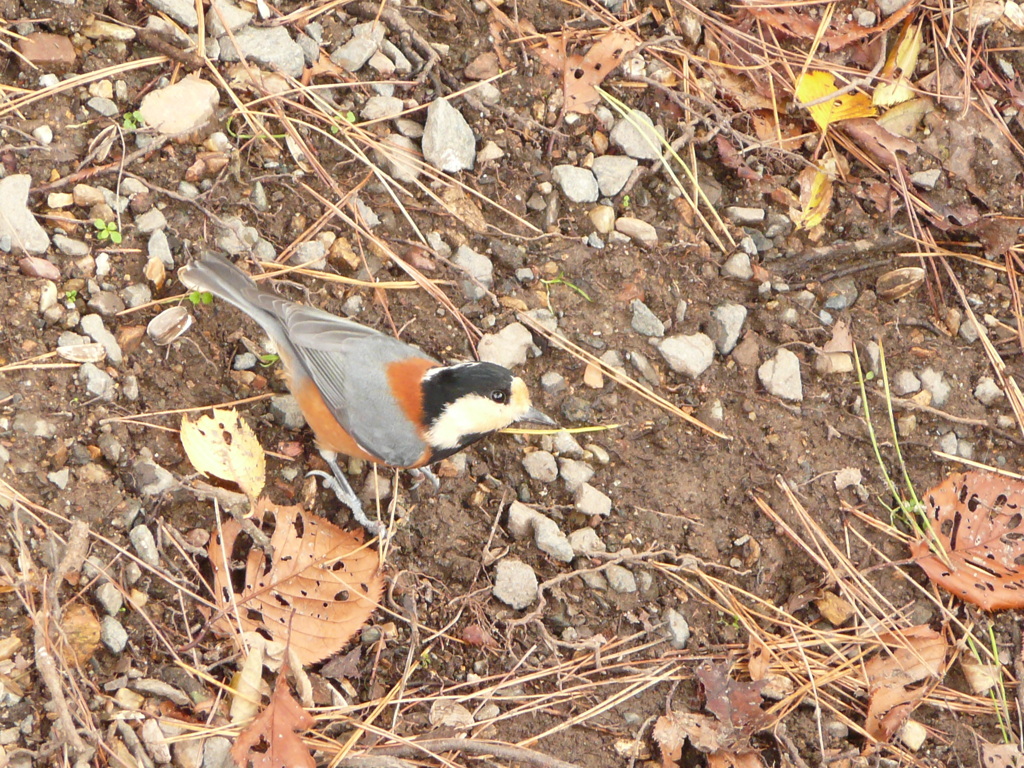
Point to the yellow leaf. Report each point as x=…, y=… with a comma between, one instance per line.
x=899, y=66
x=812, y=86
x=224, y=446
x=815, y=199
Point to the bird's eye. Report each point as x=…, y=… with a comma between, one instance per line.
x=498, y=396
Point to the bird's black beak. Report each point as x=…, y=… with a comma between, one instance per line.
x=536, y=417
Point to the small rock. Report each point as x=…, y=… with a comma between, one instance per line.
x=592, y=502
x=34, y=425
x=738, y=267
x=842, y=293
x=515, y=583
x=620, y=579
x=637, y=137
x=726, y=325
x=541, y=466
x=17, y=225
x=905, y=383
x=270, y=47
x=113, y=635
x=987, y=392
x=477, y=266
x=181, y=109
x=156, y=743
x=311, y=253
x=182, y=11
x=401, y=157
x=106, y=303
x=223, y=16
x=934, y=382
x=48, y=51
x=448, y=142
x=97, y=331
x=150, y=221
x=97, y=382
x=644, y=321
x=43, y=134
x=550, y=540
x=969, y=331
x=152, y=479
x=926, y=180
x=102, y=106
x=585, y=542
x=603, y=218
x=97, y=29
x=354, y=54
x=645, y=368
x=110, y=598
x=612, y=173
x=286, y=412
x=578, y=184
x=744, y=216
x=574, y=473
x=244, y=361
x=484, y=66
x=382, y=108
x=111, y=447
x=780, y=376
x=145, y=545
x=489, y=151
x=60, y=478
x=136, y=295
x=866, y=19
x=948, y=443
x=678, y=629
x=553, y=382
x=688, y=355
x=639, y=231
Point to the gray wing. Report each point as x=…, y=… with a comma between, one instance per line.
x=348, y=363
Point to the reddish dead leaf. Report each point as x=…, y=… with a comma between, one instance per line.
x=320, y=588
x=760, y=658
x=272, y=739
x=732, y=159
x=911, y=656
x=735, y=760
x=877, y=141
x=581, y=74
x=976, y=522
x=737, y=705
x=720, y=743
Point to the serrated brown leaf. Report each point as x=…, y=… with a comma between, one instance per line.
x=272, y=739
x=581, y=74
x=976, y=521
x=316, y=593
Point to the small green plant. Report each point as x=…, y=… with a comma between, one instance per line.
x=107, y=230
x=268, y=360
x=625, y=202
x=132, y=120
x=71, y=296
x=200, y=297
x=560, y=280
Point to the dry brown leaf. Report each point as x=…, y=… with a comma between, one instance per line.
x=81, y=629
x=581, y=74
x=272, y=739
x=736, y=704
x=815, y=198
x=320, y=588
x=842, y=338
x=1001, y=756
x=877, y=141
x=834, y=609
x=899, y=66
x=707, y=735
x=760, y=658
x=225, y=446
x=911, y=655
x=976, y=522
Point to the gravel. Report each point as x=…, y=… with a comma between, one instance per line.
x=638, y=230
x=612, y=173
x=934, y=382
x=688, y=355
x=286, y=412
x=478, y=266
x=744, y=216
x=508, y=347
x=644, y=321
x=541, y=466
x=18, y=225
x=578, y=184
x=636, y=136
x=448, y=142
x=592, y=502
x=678, y=629
x=905, y=383
x=585, y=542
x=737, y=267
x=574, y=473
x=110, y=598
x=113, y=635
x=987, y=392
x=726, y=325
x=97, y=331
x=620, y=579
x=781, y=376
x=515, y=583
x=270, y=47
x=97, y=382
x=145, y=545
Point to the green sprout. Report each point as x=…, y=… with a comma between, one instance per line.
x=200, y=297
x=268, y=360
x=625, y=202
x=107, y=231
x=132, y=120
x=71, y=296
x=560, y=280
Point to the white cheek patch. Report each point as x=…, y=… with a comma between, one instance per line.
x=476, y=415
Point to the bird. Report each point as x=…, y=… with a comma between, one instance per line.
x=366, y=394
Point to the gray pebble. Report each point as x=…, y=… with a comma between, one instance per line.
x=130, y=387
x=153, y=737
x=105, y=107
x=182, y=11
x=508, y=347
x=97, y=382
x=678, y=629
x=515, y=583
x=110, y=598
x=968, y=331
x=60, y=478
x=34, y=425
x=244, y=361
x=780, y=376
x=550, y=540
x=637, y=136
x=565, y=445
x=448, y=142
x=935, y=383
x=842, y=293
x=76, y=249
x=578, y=184
x=145, y=545
x=152, y=479
x=97, y=331
x=553, y=382
x=637, y=230
x=233, y=17
x=150, y=221
x=113, y=635
x=354, y=54
x=738, y=267
x=111, y=447
x=987, y=392
x=644, y=321
x=525, y=275
x=574, y=473
x=270, y=47
x=620, y=579
x=726, y=325
x=744, y=216
x=479, y=267
x=926, y=180
x=948, y=443
x=106, y=303
x=643, y=366
x=612, y=173
x=286, y=412
x=136, y=295
x=585, y=542
x=541, y=466
x=311, y=253
x=905, y=383
x=688, y=355
x=592, y=502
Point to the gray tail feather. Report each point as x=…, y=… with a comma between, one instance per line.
x=217, y=275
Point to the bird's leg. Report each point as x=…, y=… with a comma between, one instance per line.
x=424, y=473
x=343, y=491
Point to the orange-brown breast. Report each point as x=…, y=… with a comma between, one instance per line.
x=405, y=377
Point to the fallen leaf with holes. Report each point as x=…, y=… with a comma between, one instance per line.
x=316, y=593
x=706, y=735
x=815, y=85
x=272, y=739
x=877, y=141
x=901, y=63
x=910, y=656
x=1001, y=756
x=976, y=548
x=225, y=446
x=582, y=74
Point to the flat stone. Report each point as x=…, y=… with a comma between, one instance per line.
x=188, y=106
x=637, y=136
x=541, y=466
x=76, y=249
x=110, y=598
x=271, y=47
x=574, y=473
x=638, y=230
x=18, y=225
x=354, y=54
x=508, y=347
x=97, y=382
x=688, y=355
x=726, y=325
x=987, y=392
x=620, y=579
x=934, y=382
x=612, y=172
x=54, y=53
x=578, y=184
x=401, y=157
x=592, y=502
x=113, y=635
x=738, y=267
x=744, y=216
x=780, y=376
x=97, y=331
x=382, y=108
x=644, y=321
x=34, y=425
x=98, y=29
x=145, y=545
x=515, y=583
x=678, y=629
x=585, y=542
x=152, y=479
x=478, y=266
x=286, y=412
x=926, y=180
x=182, y=11
x=60, y=478
x=448, y=142
x=222, y=16
x=103, y=106
x=905, y=383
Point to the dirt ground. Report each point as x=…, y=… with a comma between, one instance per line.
x=674, y=488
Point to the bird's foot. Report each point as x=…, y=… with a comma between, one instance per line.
x=424, y=473
x=344, y=493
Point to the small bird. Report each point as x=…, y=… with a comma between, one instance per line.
x=366, y=394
